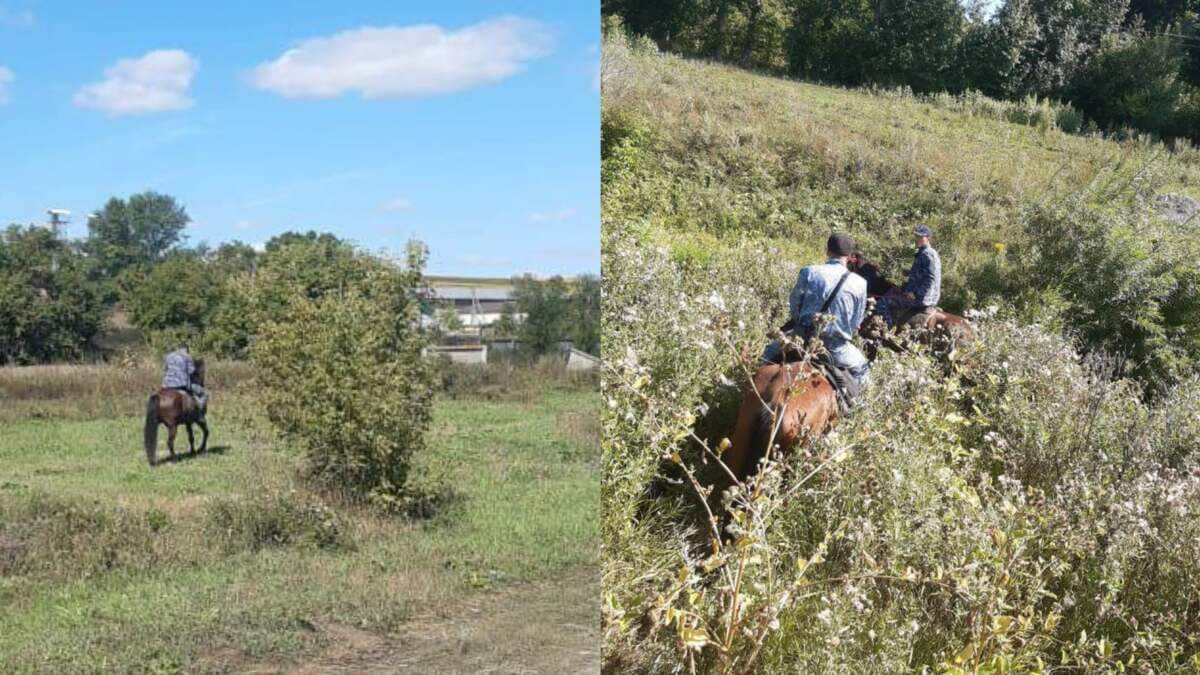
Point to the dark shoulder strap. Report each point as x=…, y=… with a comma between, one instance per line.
x=829, y=300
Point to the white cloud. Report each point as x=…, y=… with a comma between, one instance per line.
x=397, y=204
x=156, y=82
x=420, y=60
x=6, y=78
x=559, y=216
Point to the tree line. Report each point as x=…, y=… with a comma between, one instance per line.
x=1123, y=63
x=56, y=295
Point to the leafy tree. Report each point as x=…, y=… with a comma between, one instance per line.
x=288, y=238
x=1000, y=54
x=546, y=306
x=658, y=19
x=918, y=43
x=448, y=320
x=48, y=309
x=345, y=378
x=832, y=41
x=1157, y=14
x=234, y=257
x=1138, y=82
x=293, y=266
x=555, y=311
x=506, y=326
x=140, y=230
x=178, y=295
x=584, y=316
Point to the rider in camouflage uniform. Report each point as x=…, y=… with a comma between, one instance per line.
x=180, y=367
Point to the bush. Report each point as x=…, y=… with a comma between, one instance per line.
x=1028, y=511
x=48, y=308
x=343, y=375
x=1130, y=284
x=274, y=519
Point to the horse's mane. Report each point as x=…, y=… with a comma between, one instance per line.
x=877, y=284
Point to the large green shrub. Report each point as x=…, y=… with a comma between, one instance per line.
x=293, y=266
x=343, y=376
x=48, y=308
x=176, y=296
x=1129, y=282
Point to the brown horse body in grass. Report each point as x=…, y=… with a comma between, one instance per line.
x=789, y=402
x=800, y=400
x=173, y=407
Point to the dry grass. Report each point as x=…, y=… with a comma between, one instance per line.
x=82, y=391
x=736, y=155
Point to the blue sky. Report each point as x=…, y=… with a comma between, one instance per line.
x=472, y=125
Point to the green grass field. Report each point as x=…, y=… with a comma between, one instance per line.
x=109, y=565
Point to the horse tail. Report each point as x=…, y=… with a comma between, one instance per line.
x=151, y=428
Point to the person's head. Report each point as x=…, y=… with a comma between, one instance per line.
x=922, y=235
x=183, y=346
x=839, y=245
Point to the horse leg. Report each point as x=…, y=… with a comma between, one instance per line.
x=204, y=439
x=171, y=428
x=191, y=440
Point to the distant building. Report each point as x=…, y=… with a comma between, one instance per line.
x=478, y=302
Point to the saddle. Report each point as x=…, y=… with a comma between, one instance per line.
x=845, y=385
x=192, y=402
x=915, y=316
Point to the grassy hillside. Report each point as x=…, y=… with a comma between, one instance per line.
x=704, y=159
x=204, y=563
x=1031, y=510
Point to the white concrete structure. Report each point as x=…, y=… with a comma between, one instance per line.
x=475, y=354
x=577, y=360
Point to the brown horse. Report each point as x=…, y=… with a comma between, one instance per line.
x=934, y=327
x=799, y=399
x=788, y=403
x=173, y=407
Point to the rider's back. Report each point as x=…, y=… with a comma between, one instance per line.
x=178, y=366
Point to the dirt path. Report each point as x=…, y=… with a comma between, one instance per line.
x=545, y=627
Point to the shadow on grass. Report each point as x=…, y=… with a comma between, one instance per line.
x=184, y=455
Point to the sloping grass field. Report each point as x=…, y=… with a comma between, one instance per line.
x=109, y=565
x=1029, y=507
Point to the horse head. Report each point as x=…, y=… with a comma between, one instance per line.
x=877, y=285
x=198, y=375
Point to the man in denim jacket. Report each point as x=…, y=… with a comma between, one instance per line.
x=816, y=285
